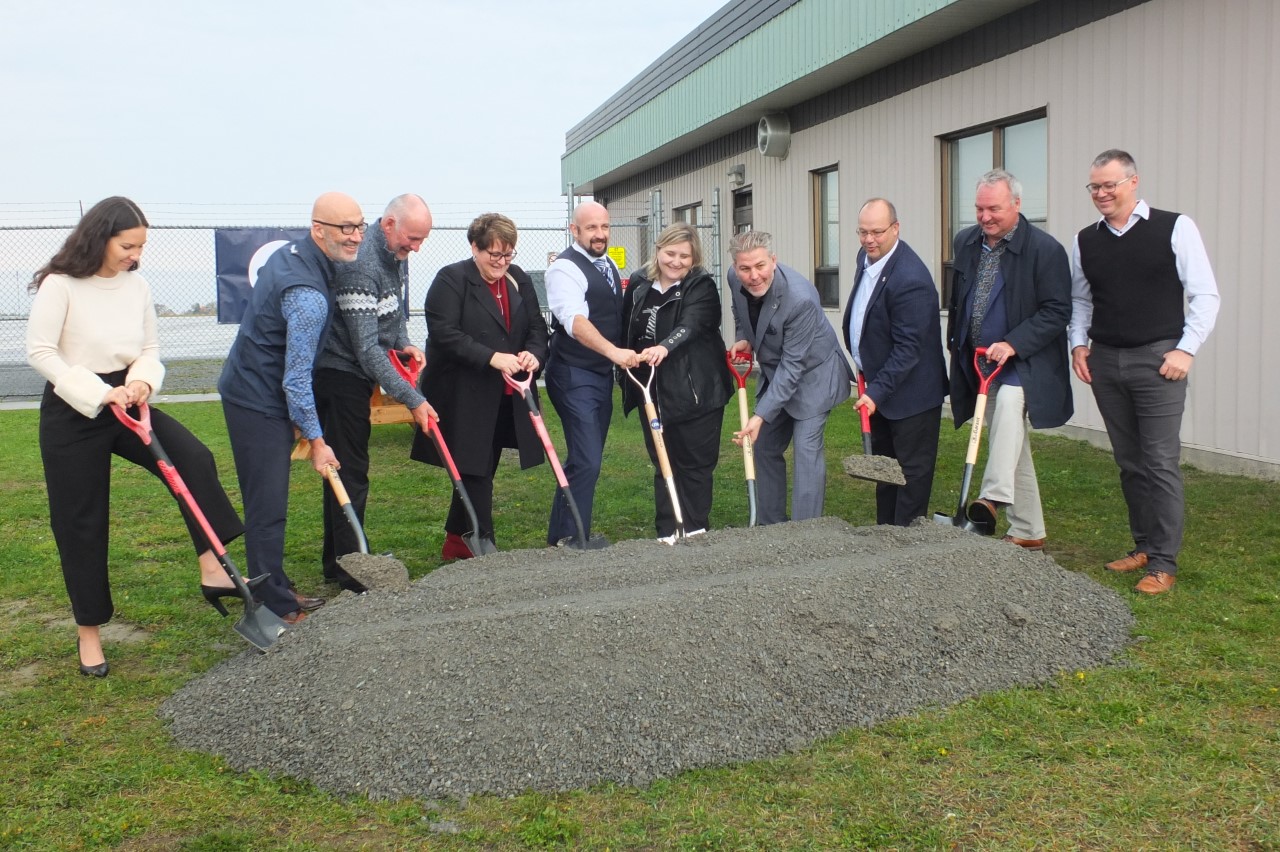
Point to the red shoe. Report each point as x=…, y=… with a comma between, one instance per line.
x=455, y=547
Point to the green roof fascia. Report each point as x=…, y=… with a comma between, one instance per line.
x=801, y=41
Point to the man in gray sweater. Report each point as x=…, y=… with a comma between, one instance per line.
x=368, y=320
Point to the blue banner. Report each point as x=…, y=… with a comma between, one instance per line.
x=238, y=255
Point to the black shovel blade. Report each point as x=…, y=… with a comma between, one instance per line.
x=260, y=627
x=751, y=502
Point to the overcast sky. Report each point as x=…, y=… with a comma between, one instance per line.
x=242, y=111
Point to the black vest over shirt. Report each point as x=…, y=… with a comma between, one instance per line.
x=1137, y=294
x=604, y=310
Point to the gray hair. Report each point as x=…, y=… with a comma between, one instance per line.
x=750, y=241
x=996, y=176
x=402, y=204
x=1124, y=158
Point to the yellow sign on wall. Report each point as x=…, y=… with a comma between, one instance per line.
x=619, y=256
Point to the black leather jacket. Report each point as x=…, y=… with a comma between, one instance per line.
x=694, y=378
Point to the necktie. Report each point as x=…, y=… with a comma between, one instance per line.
x=607, y=271
x=988, y=266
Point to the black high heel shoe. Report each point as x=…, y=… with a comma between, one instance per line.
x=214, y=595
x=100, y=670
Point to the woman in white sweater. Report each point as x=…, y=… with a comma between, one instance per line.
x=92, y=334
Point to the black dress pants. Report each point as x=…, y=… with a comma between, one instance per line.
x=342, y=401
x=693, y=448
x=77, y=452
x=913, y=441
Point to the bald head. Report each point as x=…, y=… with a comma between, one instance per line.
x=877, y=228
x=332, y=212
x=590, y=227
x=406, y=224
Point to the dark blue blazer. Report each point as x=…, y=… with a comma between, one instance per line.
x=1037, y=301
x=901, y=343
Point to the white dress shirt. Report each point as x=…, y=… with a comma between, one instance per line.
x=1194, y=271
x=861, y=299
x=567, y=288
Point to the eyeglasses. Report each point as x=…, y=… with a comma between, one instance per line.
x=346, y=229
x=499, y=257
x=863, y=233
x=1109, y=186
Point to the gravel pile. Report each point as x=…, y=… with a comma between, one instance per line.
x=560, y=669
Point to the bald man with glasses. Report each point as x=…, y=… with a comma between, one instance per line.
x=266, y=386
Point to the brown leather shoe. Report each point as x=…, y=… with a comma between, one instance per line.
x=983, y=511
x=307, y=604
x=293, y=617
x=1135, y=561
x=1155, y=583
x=1028, y=543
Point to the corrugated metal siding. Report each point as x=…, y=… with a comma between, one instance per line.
x=1192, y=91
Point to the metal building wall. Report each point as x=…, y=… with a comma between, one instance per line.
x=1192, y=90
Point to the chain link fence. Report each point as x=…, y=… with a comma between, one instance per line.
x=179, y=265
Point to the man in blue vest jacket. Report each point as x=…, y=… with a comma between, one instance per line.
x=584, y=292
x=266, y=386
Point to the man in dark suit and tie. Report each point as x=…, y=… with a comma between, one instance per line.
x=891, y=328
x=803, y=375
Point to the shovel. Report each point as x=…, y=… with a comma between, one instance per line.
x=525, y=388
x=478, y=545
x=868, y=465
x=258, y=625
x=367, y=570
x=748, y=456
x=961, y=518
x=659, y=445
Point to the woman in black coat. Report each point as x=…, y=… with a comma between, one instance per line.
x=483, y=320
x=671, y=316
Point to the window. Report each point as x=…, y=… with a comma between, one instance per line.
x=691, y=214
x=826, y=236
x=1019, y=145
x=741, y=211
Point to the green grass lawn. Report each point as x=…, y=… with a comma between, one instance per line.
x=1176, y=747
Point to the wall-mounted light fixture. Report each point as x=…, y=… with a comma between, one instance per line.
x=737, y=174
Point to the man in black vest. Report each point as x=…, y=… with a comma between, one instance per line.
x=584, y=292
x=1129, y=273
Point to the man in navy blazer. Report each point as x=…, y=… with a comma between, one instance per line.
x=1012, y=294
x=803, y=375
x=891, y=328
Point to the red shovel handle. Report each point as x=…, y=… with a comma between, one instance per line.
x=984, y=379
x=521, y=385
x=406, y=365
x=733, y=362
x=862, y=409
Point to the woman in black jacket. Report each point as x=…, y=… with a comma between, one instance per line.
x=671, y=316
x=483, y=320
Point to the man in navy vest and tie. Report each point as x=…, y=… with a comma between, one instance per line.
x=1130, y=272
x=584, y=292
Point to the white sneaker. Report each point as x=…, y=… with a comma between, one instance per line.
x=668, y=539
x=695, y=532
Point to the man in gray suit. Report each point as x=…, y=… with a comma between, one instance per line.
x=803, y=375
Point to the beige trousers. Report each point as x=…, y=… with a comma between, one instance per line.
x=1010, y=476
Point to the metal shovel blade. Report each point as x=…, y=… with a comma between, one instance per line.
x=260, y=627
